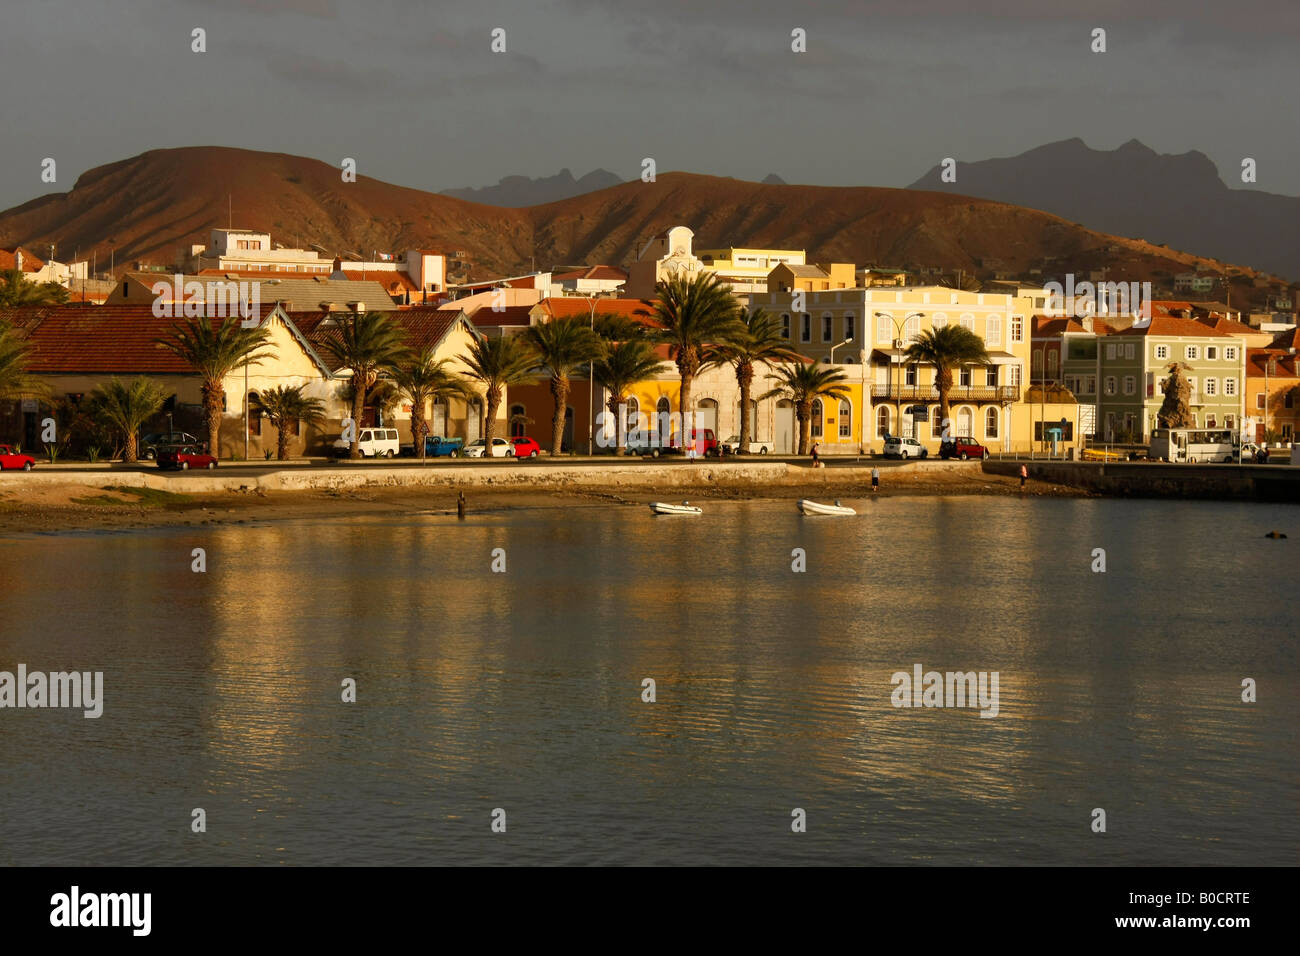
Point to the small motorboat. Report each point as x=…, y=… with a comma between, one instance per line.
x=809, y=507
x=685, y=508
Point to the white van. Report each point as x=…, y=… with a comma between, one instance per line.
x=373, y=442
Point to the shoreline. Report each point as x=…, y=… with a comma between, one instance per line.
x=106, y=503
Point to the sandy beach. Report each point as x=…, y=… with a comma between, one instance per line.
x=108, y=505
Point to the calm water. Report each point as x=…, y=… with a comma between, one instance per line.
x=523, y=690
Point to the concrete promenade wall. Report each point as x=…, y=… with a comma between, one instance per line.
x=1154, y=480
x=597, y=477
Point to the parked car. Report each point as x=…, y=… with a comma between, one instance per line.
x=732, y=445
x=703, y=440
x=184, y=457
x=150, y=443
x=525, y=447
x=11, y=459
x=501, y=448
x=373, y=442
x=436, y=446
x=962, y=448
x=640, y=444
x=896, y=447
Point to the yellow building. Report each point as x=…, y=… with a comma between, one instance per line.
x=671, y=253
x=866, y=331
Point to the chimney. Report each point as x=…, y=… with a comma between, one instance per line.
x=18, y=259
x=357, y=307
x=1086, y=322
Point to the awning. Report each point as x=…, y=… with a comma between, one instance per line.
x=1003, y=358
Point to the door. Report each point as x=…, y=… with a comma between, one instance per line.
x=473, y=422
x=783, y=440
x=706, y=415
x=439, y=424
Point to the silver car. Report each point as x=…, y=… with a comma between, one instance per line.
x=905, y=448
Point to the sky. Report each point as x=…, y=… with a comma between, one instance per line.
x=413, y=91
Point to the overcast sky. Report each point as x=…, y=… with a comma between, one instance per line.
x=412, y=91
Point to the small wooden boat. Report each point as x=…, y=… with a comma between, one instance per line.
x=809, y=507
x=685, y=508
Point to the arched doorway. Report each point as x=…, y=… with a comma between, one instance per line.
x=706, y=415
x=518, y=419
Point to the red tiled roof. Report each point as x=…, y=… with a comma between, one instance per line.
x=509, y=315
x=560, y=307
x=9, y=260
x=1175, y=326
x=1257, y=363
x=1047, y=325
x=423, y=327
x=1289, y=339
x=109, y=338
x=1229, y=326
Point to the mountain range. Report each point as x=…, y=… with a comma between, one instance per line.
x=517, y=192
x=151, y=206
x=1134, y=191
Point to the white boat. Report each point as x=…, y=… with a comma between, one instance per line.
x=809, y=507
x=685, y=508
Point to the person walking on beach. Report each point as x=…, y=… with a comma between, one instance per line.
x=875, y=479
x=1024, y=473
x=814, y=455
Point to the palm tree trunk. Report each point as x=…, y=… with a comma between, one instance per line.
x=282, y=440
x=417, y=427
x=559, y=392
x=132, y=453
x=490, y=419
x=745, y=379
x=613, y=403
x=358, y=408
x=684, y=405
x=803, y=411
x=212, y=393
x=943, y=383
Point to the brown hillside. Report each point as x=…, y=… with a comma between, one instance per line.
x=154, y=204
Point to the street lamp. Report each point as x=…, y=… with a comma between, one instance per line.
x=898, y=345
x=591, y=298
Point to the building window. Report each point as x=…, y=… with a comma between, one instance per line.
x=1162, y=353
x=936, y=423
x=910, y=375
x=1259, y=400
x=993, y=330
x=1288, y=401
x=882, y=421
x=1229, y=421
x=785, y=326
x=805, y=331
x=817, y=418
x=1052, y=356
x=826, y=328
x=1195, y=388
x=1037, y=362
x=850, y=331
x=517, y=416
x=1130, y=385
x=1017, y=328
x=940, y=320
x=1110, y=384
x=846, y=420
x=963, y=376
x=991, y=376
x=1230, y=353
x=1014, y=372
x=1211, y=353
x=1129, y=353
x=965, y=423
x=911, y=329
x=1090, y=385
x=968, y=321
x=884, y=328
x=991, y=422
x=1211, y=386
x=1111, y=350
x=633, y=413
x=1193, y=353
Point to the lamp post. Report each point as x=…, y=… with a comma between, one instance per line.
x=897, y=360
x=591, y=298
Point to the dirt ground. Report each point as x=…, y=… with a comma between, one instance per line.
x=74, y=507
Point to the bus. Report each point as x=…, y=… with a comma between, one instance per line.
x=1194, y=445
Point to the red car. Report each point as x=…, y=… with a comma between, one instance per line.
x=704, y=441
x=11, y=460
x=962, y=448
x=184, y=457
x=525, y=447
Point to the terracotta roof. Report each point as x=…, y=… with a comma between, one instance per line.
x=1229, y=326
x=1173, y=326
x=1257, y=362
x=109, y=338
x=510, y=315
x=8, y=260
x=1049, y=325
x=559, y=307
x=423, y=327
x=1288, y=339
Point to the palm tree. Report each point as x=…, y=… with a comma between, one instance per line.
x=215, y=352
x=693, y=314
x=423, y=378
x=562, y=346
x=286, y=405
x=368, y=344
x=17, y=290
x=15, y=382
x=801, y=382
x=947, y=348
x=498, y=362
x=621, y=366
x=125, y=407
x=757, y=341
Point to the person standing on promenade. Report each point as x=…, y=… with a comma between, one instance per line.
x=814, y=455
x=1024, y=473
x=875, y=479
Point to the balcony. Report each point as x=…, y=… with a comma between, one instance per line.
x=958, y=393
